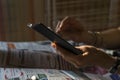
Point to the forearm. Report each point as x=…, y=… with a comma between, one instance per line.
x=106, y=39
x=110, y=38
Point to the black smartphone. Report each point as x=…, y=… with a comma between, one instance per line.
x=52, y=36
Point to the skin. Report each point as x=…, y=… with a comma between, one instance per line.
x=91, y=56
x=72, y=29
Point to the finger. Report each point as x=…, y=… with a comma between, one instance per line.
x=64, y=24
x=57, y=27
x=76, y=60
x=64, y=52
x=53, y=45
x=61, y=27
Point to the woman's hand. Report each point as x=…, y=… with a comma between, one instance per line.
x=72, y=29
x=91, y=56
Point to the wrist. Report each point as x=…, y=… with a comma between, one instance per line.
x=95, y=38
x=107, y=62
x=87, y=38
x=110, y=63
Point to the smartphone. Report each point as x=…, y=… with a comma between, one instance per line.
x=52, y=36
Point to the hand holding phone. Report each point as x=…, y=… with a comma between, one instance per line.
x=51, y=35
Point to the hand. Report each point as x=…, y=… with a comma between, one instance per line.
x=91, y=56
x=71, y=29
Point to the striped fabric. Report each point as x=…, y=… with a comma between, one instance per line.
x=32, y=55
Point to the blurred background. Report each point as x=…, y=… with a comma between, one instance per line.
x=96, y=15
